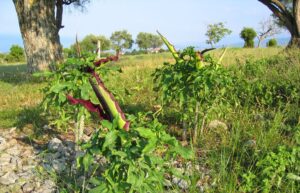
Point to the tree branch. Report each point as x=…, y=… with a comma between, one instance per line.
x=59, y=14
x=280, y=11
x=68, y=2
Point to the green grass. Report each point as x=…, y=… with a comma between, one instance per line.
x=18, y=92
x=227, y=154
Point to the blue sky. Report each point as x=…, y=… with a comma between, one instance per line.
x=182, y=21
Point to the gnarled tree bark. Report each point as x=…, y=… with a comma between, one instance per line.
x=38, y=26
x=40, y=22
x=289, y=17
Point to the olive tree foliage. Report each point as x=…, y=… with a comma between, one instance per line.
x=146, y=41
x=121, y=40
x=216, y=32
x=248, y=35
x=268, y=28
x=40, y=22
x=89, y=43
x=16, y=54
x=288, y=14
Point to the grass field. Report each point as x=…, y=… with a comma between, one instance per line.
x=256, y=127
x=19, y=91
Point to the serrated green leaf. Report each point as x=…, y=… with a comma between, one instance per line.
x=95, y=181
x=102, y=188
x=183, y=152
x=150, y=146
x=57, y=87
x=106, y=124
x=292, y=176
x=87, y=161
x=84, y=91
x=110, y=139
x=146, y=133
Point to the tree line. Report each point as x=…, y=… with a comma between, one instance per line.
x=118, y=41
x=40, y=23
x=148, y=42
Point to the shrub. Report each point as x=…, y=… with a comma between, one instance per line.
x=272, y=43
x=71, y=81
x=16, y=54
x=248, y=34
x=137, y=161
x=277, y=170
x=193, y=82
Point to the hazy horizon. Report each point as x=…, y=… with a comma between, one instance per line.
x=183, y=22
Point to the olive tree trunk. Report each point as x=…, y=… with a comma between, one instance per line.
x=38, y=26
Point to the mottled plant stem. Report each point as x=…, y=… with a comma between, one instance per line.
x=196, y=122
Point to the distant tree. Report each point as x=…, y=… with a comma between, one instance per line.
x=288, y=14
x=156, y=41
x=272, y=43
x=147, y=40
x=40, y=22
x=268, y=28
x=89, y=43
x=143, y=40
x=216, y=32
x=248, y=34
x=16, y=54
x=121, y=40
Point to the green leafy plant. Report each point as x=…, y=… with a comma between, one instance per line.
x=76, y=81
x=253, y=88
x=137, y=161
x=194, y=82
x=276, y=170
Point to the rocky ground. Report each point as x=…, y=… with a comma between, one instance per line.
x=25, y=167
x=30, y=167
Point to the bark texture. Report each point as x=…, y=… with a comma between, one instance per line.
x=38, y=26
x=289, y=17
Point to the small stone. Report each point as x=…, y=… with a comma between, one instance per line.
x=2, y=142
x=49, y=157
x=215, y=124
x=59, y=165
x=26, y=175
x=259, y=117
x=180, y=182
x=16, y=162
x=28, y=167
x=167, y=183
x=12, y=130
x=47, y=127
x=49, y=183
x=15, y=150
x=86, y=138
x=47, y=187
x=27, y=188
x=5, y=159
x=250, y=143
x=8, y=178
x=55, y=144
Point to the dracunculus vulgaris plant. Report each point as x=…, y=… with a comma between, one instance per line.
x=78, y=81
x=194, y=82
